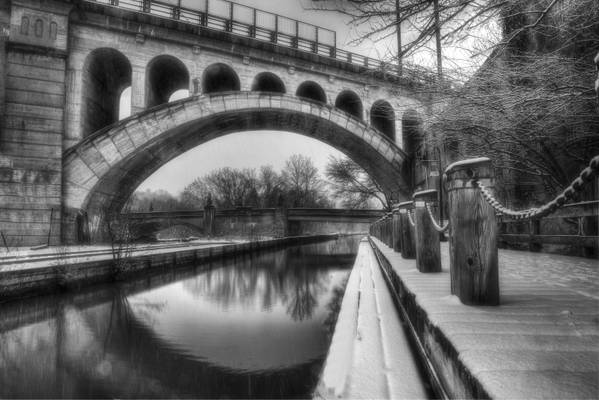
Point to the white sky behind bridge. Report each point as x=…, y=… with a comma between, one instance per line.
x=253, y=149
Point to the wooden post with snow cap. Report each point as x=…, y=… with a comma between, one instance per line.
x=396, y=226
x=407, y=237
x=428, y=248
x=473, y=238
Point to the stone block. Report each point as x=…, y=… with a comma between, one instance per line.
x=35, y=85
x=108, y=150
x=136, y=130
x=92, y=157
x=31, y=111
x=77, y=172
x=266, y=102
x=34, y=98
x=339, y=119
x=122, y=141
x=38, y=124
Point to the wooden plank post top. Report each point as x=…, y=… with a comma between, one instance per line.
x=473, y=237
x=461, y=174
x=405, y=205
x=428, y=247
x=427, y=196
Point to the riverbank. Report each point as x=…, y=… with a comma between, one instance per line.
x=63, y=268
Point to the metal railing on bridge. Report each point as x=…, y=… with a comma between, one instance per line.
x=477, y=221
x=239, y=19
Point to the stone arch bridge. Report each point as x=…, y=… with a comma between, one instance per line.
x=71, y=72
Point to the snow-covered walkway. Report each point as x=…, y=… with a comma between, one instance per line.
x=370, y=356
x=541, y=342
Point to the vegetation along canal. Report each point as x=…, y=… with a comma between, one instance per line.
x=258, y=325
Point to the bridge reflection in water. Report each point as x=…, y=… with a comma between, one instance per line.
x=255, y=326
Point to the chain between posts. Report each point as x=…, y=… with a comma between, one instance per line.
x=439, y=228
x=575, y=187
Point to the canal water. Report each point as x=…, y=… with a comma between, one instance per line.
x=257, y=326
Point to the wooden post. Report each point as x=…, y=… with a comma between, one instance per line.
x=396, y=229
x=428, y=248
x=473, y=238
x=407, y=237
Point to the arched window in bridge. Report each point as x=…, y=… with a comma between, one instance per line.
x=382, y=117
x=349, y=102
x=106, y=73
x=53, y=30
x=268, y=82
x=413, y=140
x=220, y=78
x=24, y=25
x=311, y=90
x=164, y=76
x=39, y=27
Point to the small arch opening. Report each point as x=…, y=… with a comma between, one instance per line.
x=24, y=25
x=220, y=78
x=106, y=74
x=165, y=76
x=350, y=102
x=125, y=103
x=382, y=117
x=311, y=90
x=268, y=82
x=179, y=95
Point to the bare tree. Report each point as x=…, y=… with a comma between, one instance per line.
x=531, y=107
x=299, y=183
x=304, y=188
x=353, y=186
x=119, y=229
x=270, y=186
x=473, y=28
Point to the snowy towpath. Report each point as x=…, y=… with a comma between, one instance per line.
x=542, y=341
x=369, y=355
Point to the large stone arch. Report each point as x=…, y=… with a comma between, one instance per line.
x=102, y=171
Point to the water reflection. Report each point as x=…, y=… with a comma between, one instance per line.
x=258, y=326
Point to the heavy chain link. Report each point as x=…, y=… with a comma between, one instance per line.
x=576, y=186
x=439, y=228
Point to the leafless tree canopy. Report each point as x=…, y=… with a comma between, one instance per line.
x=297, y=185
x=353, y=186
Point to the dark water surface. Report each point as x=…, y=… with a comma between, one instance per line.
x=255, y=326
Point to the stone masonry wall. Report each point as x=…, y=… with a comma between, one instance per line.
x=32, y=127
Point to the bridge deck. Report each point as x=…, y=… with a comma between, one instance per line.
x=541, y=342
